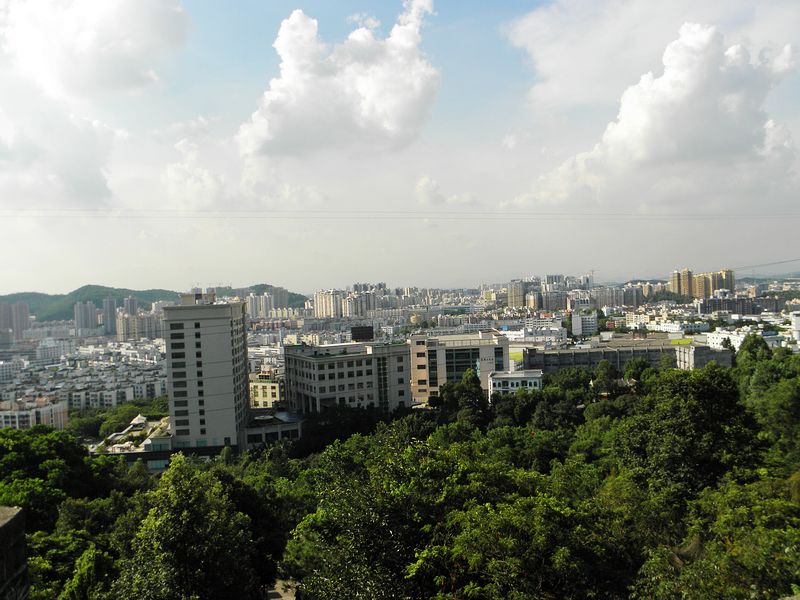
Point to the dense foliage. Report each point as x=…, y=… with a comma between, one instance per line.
x=652, y=483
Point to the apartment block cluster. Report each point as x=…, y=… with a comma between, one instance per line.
x=720, y=283
x=88, y=377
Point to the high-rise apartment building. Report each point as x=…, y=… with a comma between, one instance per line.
x=516, y=293
x=207, y=379
x=687, y=283
x=85, y=314
x=441, y=359
x=110, y=315
x=130, y=305
x=20, y=319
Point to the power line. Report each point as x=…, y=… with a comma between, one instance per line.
x=371, y=214
x=769, y=264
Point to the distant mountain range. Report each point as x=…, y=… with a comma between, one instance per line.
x=59, y=307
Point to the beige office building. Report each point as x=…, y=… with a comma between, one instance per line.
x=437, y=360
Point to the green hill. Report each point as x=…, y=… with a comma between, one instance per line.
x=58, y=307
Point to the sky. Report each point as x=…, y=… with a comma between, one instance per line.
x=444, y=143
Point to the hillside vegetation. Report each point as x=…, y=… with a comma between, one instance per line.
x=670, y=484
x=59, y=307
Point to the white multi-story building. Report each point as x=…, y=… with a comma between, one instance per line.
x=508, y=382
x=584, y=324
x=207, y=372
x=353, y=374
x=29, y=412
x=441, y=359
x=795, y=321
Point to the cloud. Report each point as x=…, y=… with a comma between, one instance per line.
x=81, y=47
x=188, y=184
x=365, y=91
x=697, y=136
x=584, y=51
x=56, y=58
x=48, y=155
x=429, y=193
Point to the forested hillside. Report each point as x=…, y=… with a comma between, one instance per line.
x=58, y=307
x=664, y=484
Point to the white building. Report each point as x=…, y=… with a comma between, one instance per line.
x=508, y=382
x=27, y=413
x=353, y=374
x=715, y=339
x=795, y=321
x=206, y=372
x=584, y=324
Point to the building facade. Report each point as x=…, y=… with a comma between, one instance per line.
x=354, y=374
x=508, y=382
x=441, y=359
x=206, y=355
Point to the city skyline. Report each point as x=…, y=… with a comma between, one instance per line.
x=454, y=142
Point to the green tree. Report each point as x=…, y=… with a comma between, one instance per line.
x=192, y=544
x=687, y=433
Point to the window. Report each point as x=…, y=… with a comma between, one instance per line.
x=196, y=355
x=182, y=432
x=202, y=411
x=179, y=394
x=181, y=402
x=202, y=421
x=178, y=355
x=422, y=382
x=181, y=413
x=182, y=423
x=199, y=363
x=202, y=431
x=179, y=365
x=174, y=326
x=400, y=369
x=196, y=345
x=350, y=364
x=176, y=336
x=179, y=375
x=178, y=346
x=179, y=384
x=197, y=334
x=196, y=325
x=401, y=393
x=420, y=343
x=420, y=355
x=199, y=384
x=400, y=381
x=199, y=373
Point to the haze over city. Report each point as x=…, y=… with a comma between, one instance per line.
x=166, y=143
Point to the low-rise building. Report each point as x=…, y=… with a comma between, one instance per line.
x=508, y=382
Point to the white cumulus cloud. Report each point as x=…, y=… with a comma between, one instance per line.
x=79, y=47
x=57, y=57
x=695, y=136
x=366, y=91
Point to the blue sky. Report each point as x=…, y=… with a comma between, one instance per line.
x=165, y=143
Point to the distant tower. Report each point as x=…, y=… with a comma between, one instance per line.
x=131, y=305
x=110, y=315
